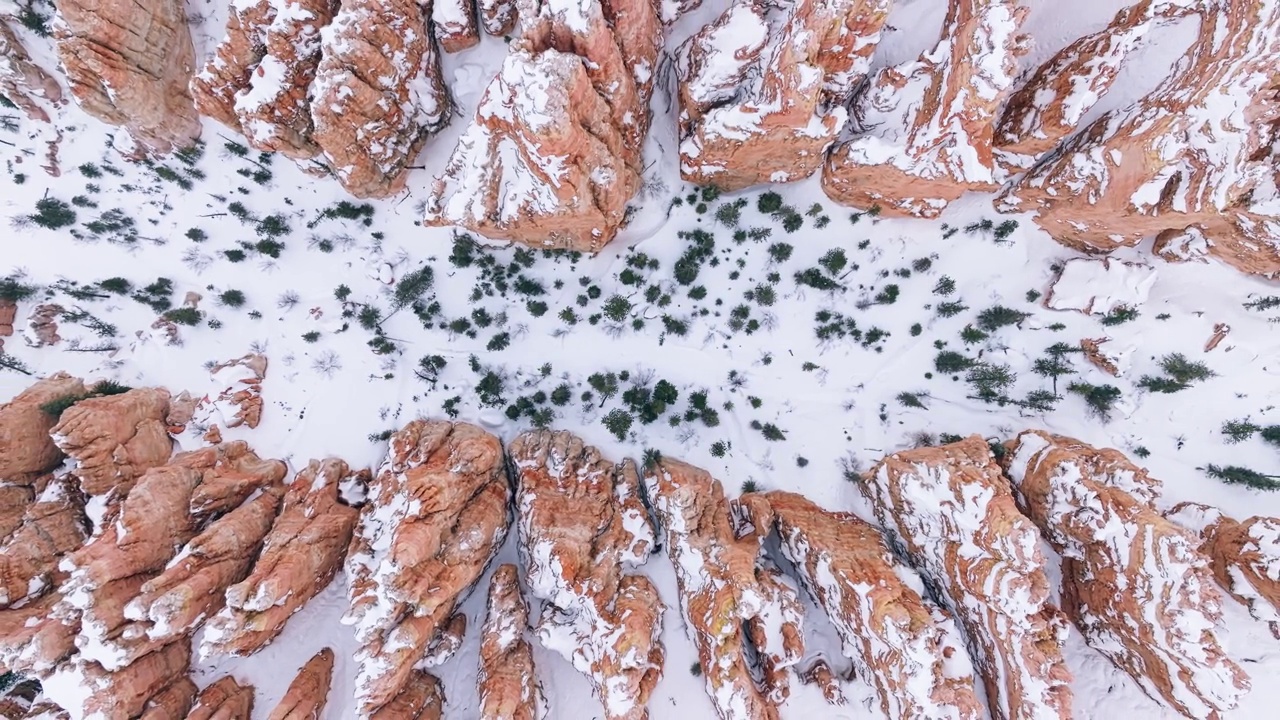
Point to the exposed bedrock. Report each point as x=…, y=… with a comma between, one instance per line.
x=507, y=683
x=22, y=81
x=306, y=696
x=225, y=699
x=29, y=451
x=114, y=439
x=52, y=526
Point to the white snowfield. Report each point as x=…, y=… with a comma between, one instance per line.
x=832, y=398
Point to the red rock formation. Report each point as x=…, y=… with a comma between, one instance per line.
x=377, y=95
x=436, y=515
x=238, y=388
x=924, y=129
x=32, y=639
x=507, y=684
x=455, y=24
x=23, y=82
x=8, y=311
x=173, y=702
x=821, y=674
x=24, y=429
x=14, y=501
x=498, y=16
x=46, y=710
x=305, y=699
x=299, y=557
x=42, y=325
x=225, y=699
x=115, y=438
x=128, y=64
x=722, y=587
x=581, y=521
x=904, y=645
x=229, y=474
x=422, y=698
x=230, y=70
x=763, y=88
x=1245, y=556
x=1133, y=582
x=52, y=526
x=951, y=513
x=17, y=699
x=192, y=586
x=124, y=695
x=553, y=155
x=1191, y=162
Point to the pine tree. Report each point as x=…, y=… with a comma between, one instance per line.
x=1236, y=475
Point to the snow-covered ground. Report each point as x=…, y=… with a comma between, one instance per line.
x=750, y=340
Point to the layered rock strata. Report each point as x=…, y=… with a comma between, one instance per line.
x=306, y=696
x=237, y=396
x=300, y=555
x=114, y=439
x=1133, y=582
x=23, y=82
x=378, y=93
x=581, y=524
x=904, y=645
x=225, y=699
x=127, y=694
x=1245, y=556
x=723, y=588
x=54, y=525
x=507, y=683
x=553, y=155
x=421, y=698
x=1176, y=164
x=951, y=513
x=436, y=515
x=923, y=131
x=763, y=88
x=455, y=24
x=128, y=64
x=29, y=451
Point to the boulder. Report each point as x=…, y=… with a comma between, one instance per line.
x=114, y=439
x=923, y=130
x=173, y=702
x=236, y=395
x=1172, y=164
x=553, y=155
x=23, y=82
x=723, y=588
x=29, y=452
x=507, y=684
x=124, y=695
x=54, y=525
x=42, y=325
x=128, y=64
x=951, y=514
x=581, y=524
x=820, y=673
x=763, y=88
x=306, y=696
x=498, y=16
x=1134, y=583
x=225, y=699
x=1245, y=556
x=378, y=93
x=8, y=312
x=904, y=645
x=421, y=698
x=455, y=24
x=299, y=557
x=437, y=513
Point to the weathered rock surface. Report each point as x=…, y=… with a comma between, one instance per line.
x=225, y=699
x=507, y=683
x=32, y=640
x=1245, y=556
x=124, y=695
x=23, y=82
x=952, y=514
x=24, y=429
x=553, y=155
x=1133, y=582
x=307, y=694
x=229, y=474
x=173, y=702
x=437, y=513
x=8, y=312
x=455, y=24
x=16, y=700
x=42, y=325
x=54, y=525
x=421, y=699
x=924, y=129
x=128, y=64
x=46, y=710
x=14, y=500
x=231, y=68
x=115, y=439
x=378, y=93
x=722, y=588
x=300, y=556
x=581, y=523
x=901, y=643
x=1175, y=163
x=236, y=398
x=763, y=88
x=498, y=16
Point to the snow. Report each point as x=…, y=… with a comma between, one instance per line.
x=1101, y=285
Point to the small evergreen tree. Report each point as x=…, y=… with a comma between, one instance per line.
x=1237, y=475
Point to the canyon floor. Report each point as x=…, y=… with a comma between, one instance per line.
x=793, y=342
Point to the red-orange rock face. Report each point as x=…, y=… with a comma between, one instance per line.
x=952, y=514
x=1133, y=582
x=924, y=130
x=437, y=513
x=421, y=699
x=1176, y=163
x=225, y=699
x=722, y=588
x=507, y=683
x=455, y=24
x=54, y=525
x=125, y=695
x=901, y=643
x=300, y=556
x=553, y=155
x=128, y=64
x=377, y=94
x=24, y=429
x=115, y=439
x=173, y=702
x=763, y=88
x=581, y=523
x=306, y=696
x=23, y=82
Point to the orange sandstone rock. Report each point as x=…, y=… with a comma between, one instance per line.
x=507, y=683
x=305, y=699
